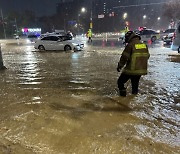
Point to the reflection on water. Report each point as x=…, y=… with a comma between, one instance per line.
x=67, y=102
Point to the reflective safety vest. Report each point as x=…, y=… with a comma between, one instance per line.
x=138, y=61
x=89, y=33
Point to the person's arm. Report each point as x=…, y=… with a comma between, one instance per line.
x=126, y=54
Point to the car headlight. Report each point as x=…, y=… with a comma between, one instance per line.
x=75, y=44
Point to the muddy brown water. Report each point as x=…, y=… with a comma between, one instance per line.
x=58, y=102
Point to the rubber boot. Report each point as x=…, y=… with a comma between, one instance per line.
x=122, y=93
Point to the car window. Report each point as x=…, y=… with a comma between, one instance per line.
x=65, y=38
x=32, y=36
x=146, y=32
x=141, y=32
x=54, y=38
x=169, y=31
x=46, y=38
x=152, y=32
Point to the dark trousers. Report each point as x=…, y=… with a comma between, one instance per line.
x=90, y=39
x=134, y=83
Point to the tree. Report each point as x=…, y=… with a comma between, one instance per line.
x=172, y=11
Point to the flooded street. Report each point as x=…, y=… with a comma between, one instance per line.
x=56, y=102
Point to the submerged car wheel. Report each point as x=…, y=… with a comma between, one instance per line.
x=153, y=39
x=67, y=48
x=179, y=49
x=41, y=47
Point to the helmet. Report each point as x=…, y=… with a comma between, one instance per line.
x=129, y=35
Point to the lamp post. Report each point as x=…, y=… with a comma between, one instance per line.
x=125, y=15
x=158, y=21
x=83, y=10
x=144, y=19
x=1, y=60
x=3, y=24
x=126, y=23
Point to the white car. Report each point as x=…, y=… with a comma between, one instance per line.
x=149, y=35
x=57, y=42
x=167, y=36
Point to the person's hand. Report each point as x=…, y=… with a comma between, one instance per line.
x=118, y=69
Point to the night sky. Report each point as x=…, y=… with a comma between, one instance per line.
x=40, y=7
x=48, y=7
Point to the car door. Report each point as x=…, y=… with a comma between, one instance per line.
x=49, y=42
x=60, y=43
x=144, y=35
x=53, y=43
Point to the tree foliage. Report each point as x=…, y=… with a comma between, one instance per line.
x=172, y=10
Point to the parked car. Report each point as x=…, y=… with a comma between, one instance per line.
x=149, y=35
x=176, y=39
x=167, y=31
x=167, y=36
x=57, y=42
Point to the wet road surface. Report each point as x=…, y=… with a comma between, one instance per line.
x=55, y=102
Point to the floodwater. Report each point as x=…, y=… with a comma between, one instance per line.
x=57, y=102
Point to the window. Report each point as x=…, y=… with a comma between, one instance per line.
x=46, y=38
x=169, y=30
x=54, y=38
x=32, y=36
x=65, y=38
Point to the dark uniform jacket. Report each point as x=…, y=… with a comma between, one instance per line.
x=135, y=58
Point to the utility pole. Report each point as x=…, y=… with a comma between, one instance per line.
x=1, y=60
x=91, y=21
x=78, y=23
x=3, y=24
x=16, y=27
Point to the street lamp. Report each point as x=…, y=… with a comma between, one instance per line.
x=144, y=19
x=158, y=23
x=125, y=15
x=144, y=16
x=83, y=10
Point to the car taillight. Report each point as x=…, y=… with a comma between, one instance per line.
x=174, y=35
